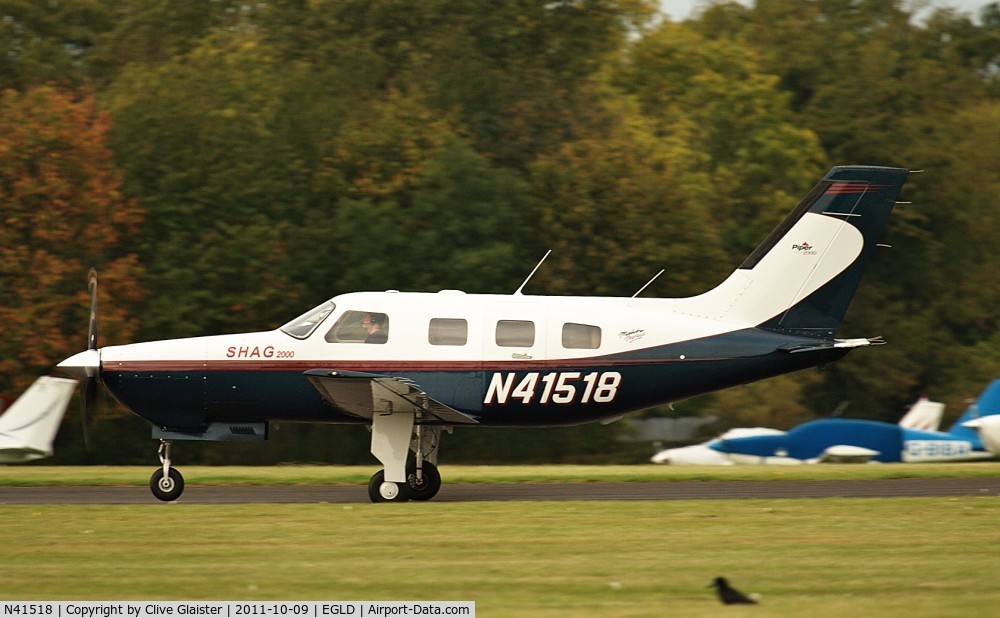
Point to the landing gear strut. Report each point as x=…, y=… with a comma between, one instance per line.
x=393, y=436
x=422, y=474
x=167, y=484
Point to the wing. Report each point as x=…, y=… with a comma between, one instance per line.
x=846, y=453
x=364, y=394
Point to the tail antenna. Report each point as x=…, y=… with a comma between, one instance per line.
x=532, y=273
x=648, y=283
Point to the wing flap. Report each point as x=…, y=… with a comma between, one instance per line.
x=365, y=394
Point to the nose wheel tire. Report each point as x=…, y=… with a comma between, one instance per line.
x=380, y=490
x=167, y=488
x=427, y=486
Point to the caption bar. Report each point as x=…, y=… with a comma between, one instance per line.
x=233, y=609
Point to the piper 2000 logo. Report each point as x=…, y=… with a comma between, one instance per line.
x=805, y=249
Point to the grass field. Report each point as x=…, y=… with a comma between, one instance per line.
x=827, y=557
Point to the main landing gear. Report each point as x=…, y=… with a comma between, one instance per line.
x=394, y=435
x=167, y=484
x=421, y=484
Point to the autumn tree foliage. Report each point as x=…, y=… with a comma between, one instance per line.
x=61, y=212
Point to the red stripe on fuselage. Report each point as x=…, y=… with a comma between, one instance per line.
x=378, y=366
x=853, y=188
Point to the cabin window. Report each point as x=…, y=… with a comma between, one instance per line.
x=360, y=327
x=303, y=326
x=581, y=336
x=448, y=331
x=515, y=334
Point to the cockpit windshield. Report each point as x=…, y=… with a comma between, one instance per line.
x=304, y=325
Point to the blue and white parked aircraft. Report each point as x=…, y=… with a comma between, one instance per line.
x=29, y=425
x=410, y=365
x=840, y=439
x=924, y=414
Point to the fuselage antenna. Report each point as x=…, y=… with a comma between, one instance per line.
x=532, y=273
x=648, y=283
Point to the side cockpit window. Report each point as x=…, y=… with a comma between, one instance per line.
x=304, y=325
x=360, y=327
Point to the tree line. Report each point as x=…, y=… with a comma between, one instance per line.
x=226, y=165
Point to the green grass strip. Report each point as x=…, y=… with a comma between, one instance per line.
x=907, y=557
x=35, y=475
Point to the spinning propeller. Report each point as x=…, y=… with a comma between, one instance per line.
x=90, y=387
x=86, y=365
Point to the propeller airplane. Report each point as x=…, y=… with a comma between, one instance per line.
x=975, y=435
x=924, y=415
x=412, y=365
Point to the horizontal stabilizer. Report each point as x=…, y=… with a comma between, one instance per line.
x=831, y=344
x=365, y=394
x=988, y=428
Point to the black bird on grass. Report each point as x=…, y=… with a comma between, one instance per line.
x=730, y=595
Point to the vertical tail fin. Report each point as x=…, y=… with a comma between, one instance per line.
x=802, y=278
x=924, y=415
x=987, y=404
x=29, y=426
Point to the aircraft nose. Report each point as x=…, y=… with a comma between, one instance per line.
x=83, y=365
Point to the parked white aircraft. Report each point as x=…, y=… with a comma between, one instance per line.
x=30, y=424
x=411, y=365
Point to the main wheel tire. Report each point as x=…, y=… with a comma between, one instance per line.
x=429, y=483
x=167, y=488
x=380, y=490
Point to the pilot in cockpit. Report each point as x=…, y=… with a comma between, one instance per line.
x=373, y=323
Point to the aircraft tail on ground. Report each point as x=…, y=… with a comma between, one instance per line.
x=802, y=278
x=29, y=425
x=987, y=404
x=924, y=415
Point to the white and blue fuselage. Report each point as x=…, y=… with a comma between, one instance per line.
x=565, y=361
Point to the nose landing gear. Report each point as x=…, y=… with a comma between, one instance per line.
x=167, y=484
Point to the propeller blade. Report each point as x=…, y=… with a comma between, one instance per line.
x=88, y=400
x=90, y=386
x=92, y=333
